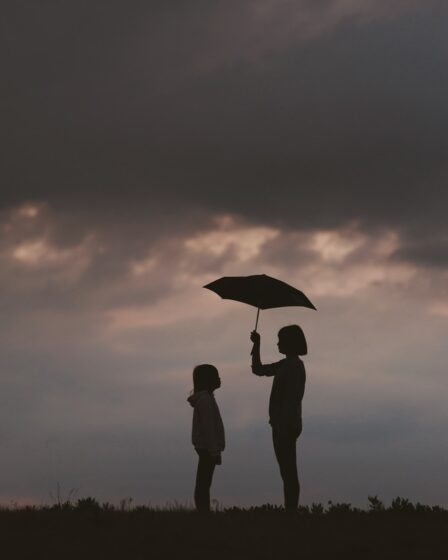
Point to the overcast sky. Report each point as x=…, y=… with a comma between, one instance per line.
x=150, y=147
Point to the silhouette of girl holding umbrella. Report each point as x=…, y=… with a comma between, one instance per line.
x=288, y=387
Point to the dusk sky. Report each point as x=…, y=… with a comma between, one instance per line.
x=150, y=147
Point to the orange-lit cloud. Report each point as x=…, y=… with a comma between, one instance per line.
x=303, y=139
x=112, y=365
x=338, y=264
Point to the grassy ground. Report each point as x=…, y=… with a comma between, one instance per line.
x=88, y=530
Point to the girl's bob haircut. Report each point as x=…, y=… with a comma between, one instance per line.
x=205, y=377
x=294, y=339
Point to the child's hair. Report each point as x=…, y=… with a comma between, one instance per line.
x=204, y=378
x=294, y=339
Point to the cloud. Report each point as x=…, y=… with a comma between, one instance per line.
x=82, y=397
x=153, y=149
x=250, y=30
x=227, y=33
x=106, y=125
x=429, y=252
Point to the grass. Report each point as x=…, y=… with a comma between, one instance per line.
x=86, y=529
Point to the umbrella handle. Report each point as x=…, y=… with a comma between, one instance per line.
x=256, y=322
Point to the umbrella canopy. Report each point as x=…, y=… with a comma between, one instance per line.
x=260, y=291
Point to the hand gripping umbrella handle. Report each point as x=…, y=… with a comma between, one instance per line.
x=256, y=322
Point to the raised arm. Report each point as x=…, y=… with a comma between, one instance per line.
x=257, y=367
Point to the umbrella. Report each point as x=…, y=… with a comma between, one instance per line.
x=260, y=291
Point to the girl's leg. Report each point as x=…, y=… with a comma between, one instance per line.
x=285, y=452
x=204, y=477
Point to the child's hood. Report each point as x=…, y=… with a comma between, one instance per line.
x=195, y=397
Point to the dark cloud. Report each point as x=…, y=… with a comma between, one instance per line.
x=127, y=128
x=427, y=252
x=117, y=113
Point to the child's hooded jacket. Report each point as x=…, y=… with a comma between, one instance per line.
x=208, y=429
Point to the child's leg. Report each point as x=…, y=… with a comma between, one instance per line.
x=285, y=452
x=204, y=476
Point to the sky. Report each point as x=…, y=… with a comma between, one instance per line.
x=150, y=147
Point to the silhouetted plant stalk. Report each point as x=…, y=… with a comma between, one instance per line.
x=60, y=501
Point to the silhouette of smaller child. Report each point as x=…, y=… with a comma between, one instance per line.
x=208, y=431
